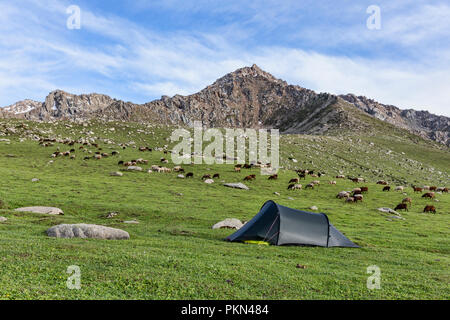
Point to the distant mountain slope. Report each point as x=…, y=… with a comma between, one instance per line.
x=422, y=123
x=248, y=97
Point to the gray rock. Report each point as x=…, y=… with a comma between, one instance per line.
x=237, y=185
x=180, y=176
x=276, y=193
x=209, y=181
x=43, y=210
x=34, y=180
x=313, y=208
x=131, y=221
x=389, y=210
x=230, y=223
x=3, y=219
x=116, y=174
x=82, y=230
x=134, y=168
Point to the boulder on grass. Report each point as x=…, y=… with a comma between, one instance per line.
x=83, y=230
x=237, y=185
x=229, y=223
x=42, y=210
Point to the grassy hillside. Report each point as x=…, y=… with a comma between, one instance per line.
x=174, y=254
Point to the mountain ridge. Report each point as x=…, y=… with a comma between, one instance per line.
x=248, y=97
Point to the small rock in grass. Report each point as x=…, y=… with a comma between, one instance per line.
x=116, y=174
x=131, y=221
x=134, y=168
x=313, y=208
x=276, y=193
x=34, y=180
x=3, y=219
x=290, y=198
x=209, y=181
x=180, y=176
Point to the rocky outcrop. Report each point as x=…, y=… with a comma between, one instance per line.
x=422, y=123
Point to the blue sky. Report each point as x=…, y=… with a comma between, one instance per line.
x=139, y=50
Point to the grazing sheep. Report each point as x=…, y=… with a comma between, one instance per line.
x=399, y=188
x=417, y=189
x=350, y=199
x=426, y=188
x=401, y=206
x=364, y=189
x=340, y=176
x=406, y=200
x=433, y=188
x=309, y=185
x=382, y=182
x=358, y=197
x=295, y=187
x=237, y=169
x=357, y=191
x=206, y=176
x=387, y=188
x=429, y=209
x=332, y=182
x=189, y=175
x=98, y=156
x=445, y=190
x=216, y=175
x=430, y=195
x=294, y=180
x=316, y=182
x=273, y=177
x=343, y=194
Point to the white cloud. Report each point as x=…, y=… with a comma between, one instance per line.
x=138, y=64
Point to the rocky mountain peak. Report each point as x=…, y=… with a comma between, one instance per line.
x=248, y=98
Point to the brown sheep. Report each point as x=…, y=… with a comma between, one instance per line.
x=248, y=178
x=216, y=175
x=364, y=189
x=445, y=190
x=273, y=177
x=417, y=189
x=237, y=169
x=429, y=209
x=294, y=180
x=295, y=187
x=401, y=206
x=358, y=197
x=206, y=176
x=387, y=188
x=350, y=199
x=433, y=188
x=429, y=195
x=407, y=200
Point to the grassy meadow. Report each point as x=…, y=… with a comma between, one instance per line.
x=173, y=253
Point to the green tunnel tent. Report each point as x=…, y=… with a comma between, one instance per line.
x=280, y=225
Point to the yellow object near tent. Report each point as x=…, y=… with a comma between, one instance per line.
x=256, y=242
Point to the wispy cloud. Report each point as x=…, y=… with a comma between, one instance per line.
x=131, y=60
